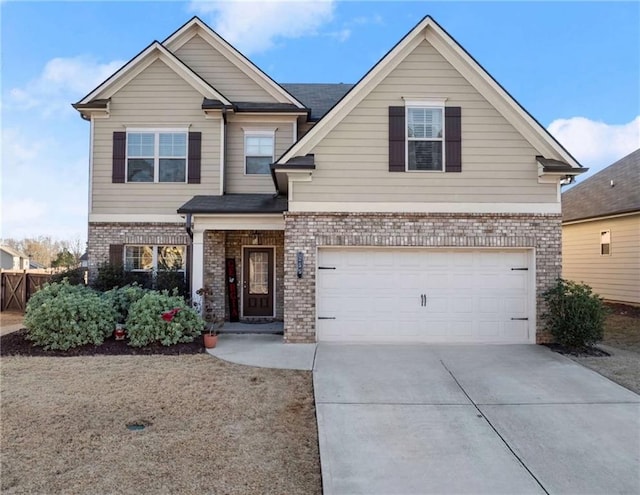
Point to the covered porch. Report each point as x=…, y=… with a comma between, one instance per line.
x=237, y=258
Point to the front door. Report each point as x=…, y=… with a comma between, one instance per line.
x=257, y=286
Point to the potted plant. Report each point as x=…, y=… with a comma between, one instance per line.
x=211, y=337
x=119, y=331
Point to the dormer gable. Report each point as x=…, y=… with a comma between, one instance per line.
x=224, y=66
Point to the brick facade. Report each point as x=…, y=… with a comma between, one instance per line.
x=305, y=232
x=101, y=235
x=219, y=245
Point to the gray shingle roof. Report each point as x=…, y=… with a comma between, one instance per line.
x=596, y=197
x=318, y=97
x=235, y=203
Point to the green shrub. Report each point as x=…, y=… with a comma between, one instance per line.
x=61, y=316
x=75, y=276
x=575, y=315
x=112, y=275
x=170, y=280
x=145, y=324
x=121, y=299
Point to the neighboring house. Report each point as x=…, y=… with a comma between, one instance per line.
x=10, y=259
x=601, y=231
x=421, y=204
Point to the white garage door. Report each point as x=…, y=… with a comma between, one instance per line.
x=424, y=295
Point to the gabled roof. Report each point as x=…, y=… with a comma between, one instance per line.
x=13, y=252
x=155, y=51
x=196, y=26
x=614, y=190
x=428, y=29
x=319, y=97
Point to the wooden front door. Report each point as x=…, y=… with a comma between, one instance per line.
x=257, y=285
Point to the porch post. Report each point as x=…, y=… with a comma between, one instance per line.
x=197, y=268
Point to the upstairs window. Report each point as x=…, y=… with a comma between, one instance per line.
x=156, y=156
x=425, y=138
x=605, y=243
x=258, y=152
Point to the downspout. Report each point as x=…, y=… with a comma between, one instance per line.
x=189, y=229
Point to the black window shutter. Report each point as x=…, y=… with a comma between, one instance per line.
x=453, y=139
x=119, y=156
x=195, y=152
x=396, y=139
x=116, y=254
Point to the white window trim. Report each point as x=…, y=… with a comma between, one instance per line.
x=248, y=132
x=156, y=152
x=605, y=231
x=436, y=103
x=154, y=257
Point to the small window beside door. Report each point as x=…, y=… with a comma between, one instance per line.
x=605, y=243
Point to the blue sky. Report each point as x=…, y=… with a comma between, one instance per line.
x=574, y=66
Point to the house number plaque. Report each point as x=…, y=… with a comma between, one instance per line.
x=300, y=263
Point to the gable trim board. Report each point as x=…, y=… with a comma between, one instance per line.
x=603, y=217
x=155, y=51
x=195, y=27
x=427, y=29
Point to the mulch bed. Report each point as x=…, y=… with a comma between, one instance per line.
x=624, y=309
x=15, y=344
x=584, y=352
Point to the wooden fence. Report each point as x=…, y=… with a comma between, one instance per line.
x=18, y=287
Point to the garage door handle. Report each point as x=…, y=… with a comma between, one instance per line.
x=326, y=317
x=423, y=300
x=520, y=319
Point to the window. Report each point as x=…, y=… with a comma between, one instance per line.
x=258, y=152
x=154, y=258
x=425, y=138
x=605, y=243
x=156, y=156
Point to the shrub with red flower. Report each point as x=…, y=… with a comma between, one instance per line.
x=169, y=315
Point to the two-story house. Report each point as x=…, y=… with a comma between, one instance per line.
x=421, y=204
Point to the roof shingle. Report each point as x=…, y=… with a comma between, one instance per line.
x=613, y=190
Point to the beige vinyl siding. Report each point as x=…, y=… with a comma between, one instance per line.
x=615, y=277
x=498, y=164
x=236, y=180
x=218, y=71
x=156, y=98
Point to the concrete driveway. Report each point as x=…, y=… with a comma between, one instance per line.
x=471, y=419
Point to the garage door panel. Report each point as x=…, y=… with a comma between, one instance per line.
x=471, y=295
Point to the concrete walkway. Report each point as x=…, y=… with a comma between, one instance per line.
x=471, y=419
x=264, y=351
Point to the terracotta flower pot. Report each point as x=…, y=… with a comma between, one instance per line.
x=210, y=341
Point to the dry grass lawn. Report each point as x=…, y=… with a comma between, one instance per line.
x=213, y=427
x=622, y=341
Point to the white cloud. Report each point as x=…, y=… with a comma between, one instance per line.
x=254, y=27
x=44, y=184
x=596, y=144
x=341, y=35
x=62, y=82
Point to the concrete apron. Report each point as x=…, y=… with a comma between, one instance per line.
x=471, y=419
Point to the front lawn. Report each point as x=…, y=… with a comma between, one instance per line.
x=210, y=426
x=622, y=342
